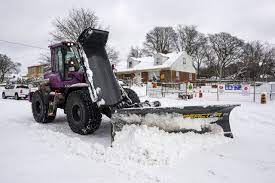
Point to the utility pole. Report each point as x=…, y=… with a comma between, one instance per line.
x=254, y=97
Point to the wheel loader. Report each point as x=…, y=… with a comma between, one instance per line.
x=82, y=83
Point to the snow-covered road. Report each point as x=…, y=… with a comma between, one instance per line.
x=32, y=152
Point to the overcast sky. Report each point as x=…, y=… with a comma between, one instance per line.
x=30, y=21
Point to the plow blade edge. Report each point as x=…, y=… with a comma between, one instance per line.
x=199, y=119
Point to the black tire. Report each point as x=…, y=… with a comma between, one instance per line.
x=132, y=95
x=40, y=107
x=3, y=95
x=16, y=97
x=83, y=115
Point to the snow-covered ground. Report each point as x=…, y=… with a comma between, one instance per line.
x=32, y=152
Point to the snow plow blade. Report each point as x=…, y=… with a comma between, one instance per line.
x=198, y=119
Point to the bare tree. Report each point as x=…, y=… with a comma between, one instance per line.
x=70, y=27
x=160, y=40
x=7, y=66
x=195, y=44
x=208, y=56
x=271, y=63
x=209, y=53
x=253, y=55
x=227, y=50
x=45, y=58
x=188, y=39
x=268, y=62
x=146, y=52
x=112, y=54
x=200, y=53
x=260, y=60
x=135, y=52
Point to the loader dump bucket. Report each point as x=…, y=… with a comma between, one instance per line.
x=93, y=42
x=199, y=119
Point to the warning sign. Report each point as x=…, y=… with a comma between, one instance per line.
x=245, y=89
x=221, y=88
x=190, y=87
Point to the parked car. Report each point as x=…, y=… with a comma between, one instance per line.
x=2, y=87
x=17, y=91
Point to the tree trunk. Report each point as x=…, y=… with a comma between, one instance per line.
x=2, y=78
x=198, y=70
x=221, y=73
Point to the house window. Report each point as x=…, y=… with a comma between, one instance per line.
x=130, y=64
x=190, y=77
x=177, y=75
x=162, y=76
x=33, y=70
x=40, y=69
x=183, y=60
x=158, y=61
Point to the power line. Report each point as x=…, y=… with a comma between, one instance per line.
x=23, y=44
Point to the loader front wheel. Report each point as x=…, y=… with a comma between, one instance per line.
x=132, y=95
x=40, y=108
x=83, y=115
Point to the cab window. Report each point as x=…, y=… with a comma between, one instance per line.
x=72, y=59
x=11, y=87
x=22, y=86
x=58, y=60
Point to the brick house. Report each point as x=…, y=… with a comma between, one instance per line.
x=37, y=71
x=171, y=67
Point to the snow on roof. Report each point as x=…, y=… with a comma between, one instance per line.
x=165, y=55
x=147, y=63
x=38, y=64
x=121, y=65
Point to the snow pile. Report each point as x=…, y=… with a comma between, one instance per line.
x=151, y=146
x=147, y=146
x=66, y=144
x=169, y=122
x=140, y=90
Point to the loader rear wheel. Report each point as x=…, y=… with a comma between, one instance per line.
x=40, y=107
x=83, y=115
x=132, y=95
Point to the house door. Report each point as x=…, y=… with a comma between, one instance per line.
x=144, y=76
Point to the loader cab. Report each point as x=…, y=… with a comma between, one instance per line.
x=65, y=59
